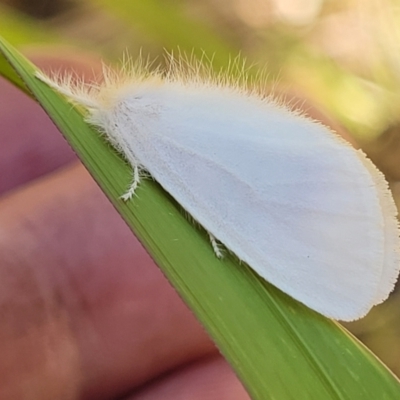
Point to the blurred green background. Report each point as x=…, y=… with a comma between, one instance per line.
x=343, y=56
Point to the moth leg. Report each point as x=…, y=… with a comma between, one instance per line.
x=215, y=245
x=135, y=183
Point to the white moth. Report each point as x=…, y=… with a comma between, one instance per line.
x=302, y=207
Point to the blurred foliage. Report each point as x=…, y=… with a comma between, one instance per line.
x=310, y=46
x=40, y=9
x=22, y=29
x=344, y=56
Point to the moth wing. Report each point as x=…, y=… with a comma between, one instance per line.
x=289, y=198
x=391, y=262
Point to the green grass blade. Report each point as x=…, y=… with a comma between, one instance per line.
x=9, y=73
x=279, y=348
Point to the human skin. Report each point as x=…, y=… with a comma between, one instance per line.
x=84, y=312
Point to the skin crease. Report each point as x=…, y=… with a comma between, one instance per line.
x=84, y=312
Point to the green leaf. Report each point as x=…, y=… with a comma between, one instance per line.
x=279, y=348
x=9, y=73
